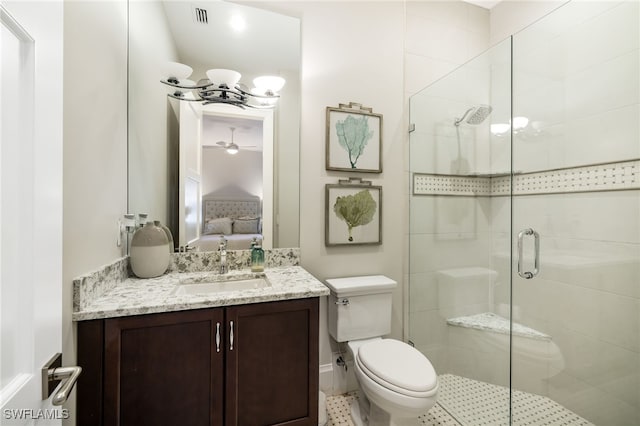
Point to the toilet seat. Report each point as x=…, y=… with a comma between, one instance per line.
x=398, y=367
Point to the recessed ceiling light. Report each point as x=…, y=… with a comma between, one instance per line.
x=238, y=23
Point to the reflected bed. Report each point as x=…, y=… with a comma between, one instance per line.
x=236, y=218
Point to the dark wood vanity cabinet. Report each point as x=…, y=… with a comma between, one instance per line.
x=240, y=365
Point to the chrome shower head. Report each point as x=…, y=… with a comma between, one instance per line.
x=477, y=115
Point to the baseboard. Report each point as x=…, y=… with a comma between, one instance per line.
x=326, y=378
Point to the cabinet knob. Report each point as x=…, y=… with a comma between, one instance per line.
x=230, y=335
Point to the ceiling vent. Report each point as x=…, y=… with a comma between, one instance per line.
x=200, y=15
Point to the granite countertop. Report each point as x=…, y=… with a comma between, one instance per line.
x=136, y=296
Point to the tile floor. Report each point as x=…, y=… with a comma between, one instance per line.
x=474, y=403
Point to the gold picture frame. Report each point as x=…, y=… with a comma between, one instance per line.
x=353, y=139
x=353, y=213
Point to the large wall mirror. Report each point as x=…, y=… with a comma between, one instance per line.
x=180, y=171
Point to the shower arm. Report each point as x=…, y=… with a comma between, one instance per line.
x=459, y=120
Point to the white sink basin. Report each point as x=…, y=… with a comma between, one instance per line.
x=222, y=286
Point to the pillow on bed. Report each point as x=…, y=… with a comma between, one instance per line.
x=218, y=226
x=246, y=226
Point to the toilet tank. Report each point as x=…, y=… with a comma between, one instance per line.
x=359, y=307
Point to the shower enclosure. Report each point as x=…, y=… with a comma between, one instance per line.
x=524, y=276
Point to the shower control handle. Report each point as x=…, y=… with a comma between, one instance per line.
x=536, y=261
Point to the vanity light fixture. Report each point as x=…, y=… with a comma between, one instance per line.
x=500, y=129
x=519, y=123
x=222, y=86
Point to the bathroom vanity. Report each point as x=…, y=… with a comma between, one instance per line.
x=154, y=354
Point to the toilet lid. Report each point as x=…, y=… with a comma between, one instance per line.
x=399, y=364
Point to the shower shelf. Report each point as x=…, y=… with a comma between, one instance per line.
x=488, y=321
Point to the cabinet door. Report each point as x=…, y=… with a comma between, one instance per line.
x=164, y=369
x=272, y=366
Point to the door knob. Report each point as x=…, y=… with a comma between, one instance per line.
x=52, y=374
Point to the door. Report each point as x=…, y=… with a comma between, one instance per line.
x=272, y=363
x=31, y=209
x=30, y=182
x=576, y=151
x=159, y=369
x=189, y=204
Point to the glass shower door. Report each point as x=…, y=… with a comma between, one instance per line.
x=576, y=183
x=459, y=297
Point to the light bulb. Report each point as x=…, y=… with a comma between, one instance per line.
x=232, y=149
x=520, y=123
x=500, y=128
x=263, y=101
x=220, y=76
x=177, y=71
x=269, y=83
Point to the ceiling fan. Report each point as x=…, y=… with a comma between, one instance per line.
x=231, y=147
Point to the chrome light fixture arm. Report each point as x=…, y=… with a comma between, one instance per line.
x=210, y=93
x=173, y=82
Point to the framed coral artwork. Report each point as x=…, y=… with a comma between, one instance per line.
x=353, y=213
x=354, y=139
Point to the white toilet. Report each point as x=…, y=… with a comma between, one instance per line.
x=397, y=382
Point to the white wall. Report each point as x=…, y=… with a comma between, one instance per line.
x=286, y=152
x=446, y=232
x=359, y=60
x=149, y=140
x=95, y=147
x=509, y=17
x=242, y=170
x=440, y=36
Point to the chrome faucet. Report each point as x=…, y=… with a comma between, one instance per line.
x=223, y=255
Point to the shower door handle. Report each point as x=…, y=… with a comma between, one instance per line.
x=536, y=261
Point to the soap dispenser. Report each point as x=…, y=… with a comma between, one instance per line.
x=257, y=258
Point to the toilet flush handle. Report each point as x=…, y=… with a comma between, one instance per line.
x=343, y=302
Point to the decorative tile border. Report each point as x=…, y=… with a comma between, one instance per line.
x=602, y=177
x=469, y=186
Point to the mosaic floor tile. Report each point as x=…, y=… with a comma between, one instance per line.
x=339, y=411
x=466, y=402
x=478, y=403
